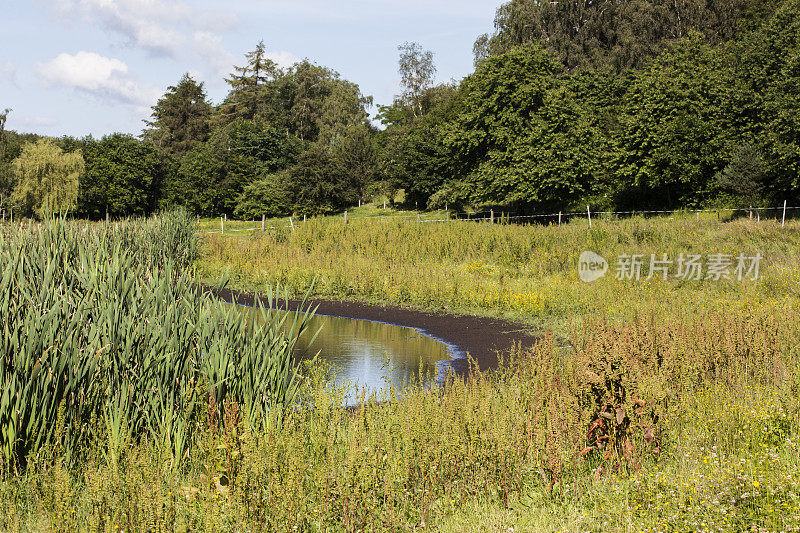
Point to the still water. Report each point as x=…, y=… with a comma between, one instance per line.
x=367, y=355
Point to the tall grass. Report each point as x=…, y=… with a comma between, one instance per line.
x=718, y=391
x=674, y=407
x=524, y=272
x=106, y=336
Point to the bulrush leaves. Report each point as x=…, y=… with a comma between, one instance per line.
x=106, y=323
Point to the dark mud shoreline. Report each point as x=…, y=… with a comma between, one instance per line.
x=481, y=337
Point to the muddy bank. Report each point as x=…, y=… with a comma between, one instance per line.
x=482, y=337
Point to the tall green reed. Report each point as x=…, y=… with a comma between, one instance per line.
x=106, y=335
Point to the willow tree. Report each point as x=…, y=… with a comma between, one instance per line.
x=47, y=178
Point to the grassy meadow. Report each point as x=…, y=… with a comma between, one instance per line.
x=527, y=273
x=675, y=407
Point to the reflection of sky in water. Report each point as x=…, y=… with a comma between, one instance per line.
x=361, y=350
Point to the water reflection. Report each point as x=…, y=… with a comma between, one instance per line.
x=367, y=354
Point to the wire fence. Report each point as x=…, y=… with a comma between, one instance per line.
x=757, y=213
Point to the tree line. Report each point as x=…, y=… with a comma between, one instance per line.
x=623, y=104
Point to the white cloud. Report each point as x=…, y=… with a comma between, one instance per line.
x=148, y=24
x=216, y=20
x=220, y=61
x=283, y=58
x=163, y=28
x=210, y=49
x=103, y=77
x=166, y=28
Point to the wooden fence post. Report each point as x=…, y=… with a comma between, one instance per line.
x=345, y=217
x=491, y=215
x=222, y=225
x=589, y=213
x=559, y=218
x=783, y=223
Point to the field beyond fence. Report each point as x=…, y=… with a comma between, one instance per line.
x=780, y=213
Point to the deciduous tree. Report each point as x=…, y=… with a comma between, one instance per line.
x=6, y=179
x=47, y=178
x=213, y=176
x=124, y=177
x=417, y=72
x=615, y=34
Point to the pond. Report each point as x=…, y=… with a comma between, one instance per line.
x=367, y=354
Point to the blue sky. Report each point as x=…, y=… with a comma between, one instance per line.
x=77, y=67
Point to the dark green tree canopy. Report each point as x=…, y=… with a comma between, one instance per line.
x=269, y=196
x=744, y=175
x=3, y=118
x=6, y=178
x=319, y=182
x=213, y=175
x=123, y=177
x=181, y=118
x=522, y=138
x=319, y=101
x=412, y=153
x=617, y=34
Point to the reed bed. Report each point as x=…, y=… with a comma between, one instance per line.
x=107, y=337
